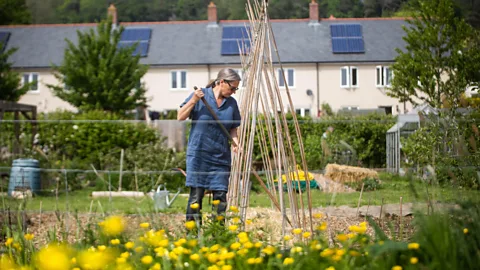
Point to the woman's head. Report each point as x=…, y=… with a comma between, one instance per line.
x=228, y=81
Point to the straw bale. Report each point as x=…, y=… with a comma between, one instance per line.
x=347, y=174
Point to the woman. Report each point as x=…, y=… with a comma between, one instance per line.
x=208, y=151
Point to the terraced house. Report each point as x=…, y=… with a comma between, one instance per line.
x=342, y=62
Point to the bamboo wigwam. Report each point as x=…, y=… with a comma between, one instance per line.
x=264, y=119
x=348, y=174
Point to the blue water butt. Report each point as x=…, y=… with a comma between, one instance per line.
x=25, y=174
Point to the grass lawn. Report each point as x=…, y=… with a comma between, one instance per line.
x=391, y=191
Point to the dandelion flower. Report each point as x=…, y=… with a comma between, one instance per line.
x=414, y=260
x=465, y=231
x=194, y=206
x=413, y=246
x=248, y=221
x=216, y=202
x=190, y=225
x=156, y=266
x=318, y=215
x=287, y=237
x=251, y=260
x=342, y=237
x=288, y=261
x=101, y=248
x=233, y=228
x=147, y=259
x=113, y=226
x=9, y=242
x=115, y=242
x=195, y=257
x=234, y=209
x=330, y=268
x=306, y=234
x=129, y=245
x=297, y=231
x=227, y=267
x=53, y=257
x=29, y=236
x=144, y=225
x=397, y=267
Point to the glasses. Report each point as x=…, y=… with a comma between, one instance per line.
x=232, y=88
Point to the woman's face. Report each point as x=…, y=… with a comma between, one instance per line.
x=228, y=88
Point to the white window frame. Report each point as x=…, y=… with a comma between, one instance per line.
x=30, y=79
x=302, y=111
x=279, y=74
x=381, y=73
x=178, y=74
x=349, y=76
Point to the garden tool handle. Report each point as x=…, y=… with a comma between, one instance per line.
x=217, y=120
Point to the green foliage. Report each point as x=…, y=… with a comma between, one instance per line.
x=441, y=57
x=10, y=88
x=14, y=12
x=369, y=184
x=98, y=74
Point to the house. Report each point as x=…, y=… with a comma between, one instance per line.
x=342, y=62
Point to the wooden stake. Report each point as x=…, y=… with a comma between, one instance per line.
x=121, y=171
x=360, y=198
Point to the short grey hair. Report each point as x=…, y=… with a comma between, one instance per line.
x=226, y=74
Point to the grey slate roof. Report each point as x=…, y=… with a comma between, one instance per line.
x=194, y=43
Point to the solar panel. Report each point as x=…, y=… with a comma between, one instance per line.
x=232, y=38
x=141, y=49
x=130, y=36
x=347, y=38
x=4, y=36
x=134, y=34
x=233, y=46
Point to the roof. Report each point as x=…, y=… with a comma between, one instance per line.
x=195, y=43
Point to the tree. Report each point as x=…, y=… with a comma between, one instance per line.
x=99, y=75
x=10, y=88
x=441, y=57
x=14, y=12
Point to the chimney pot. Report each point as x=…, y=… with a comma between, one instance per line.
x=112, y=12
x=212, y=13
x=314, y=12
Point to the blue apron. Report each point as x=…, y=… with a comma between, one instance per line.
x=208, y=152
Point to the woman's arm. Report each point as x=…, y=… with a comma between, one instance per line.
x=234, y=135
x=186, y=109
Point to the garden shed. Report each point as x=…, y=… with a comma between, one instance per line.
x=406, y=125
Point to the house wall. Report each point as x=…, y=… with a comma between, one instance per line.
x=43, y=98
x=161, y=97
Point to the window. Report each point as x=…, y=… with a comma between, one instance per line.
x=33, y=79
x=289, y=75
x=303, y=112
x=348, y=77
x=383, y=76
x=179, y=79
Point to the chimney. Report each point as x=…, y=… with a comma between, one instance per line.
x=112, y=12
x=313, y=12
x=212, y=14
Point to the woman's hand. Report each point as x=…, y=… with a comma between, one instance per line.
x=197, y=94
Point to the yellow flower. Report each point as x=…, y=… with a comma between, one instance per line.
x=74, y=260
x=192, y=242
x=212, y=257
x=95, y=260
x=354, y=253
x=216, y=202
x=115, y=242
x=236, y=220
x=234, y=209
x=213, y=267
x=397, y=267
x=227, y=267
x=251, y=260
x=279, y=256
x=9, y=242
x=129, y=245
x=297, y=231
x=465, y=231
x=306, y=234
x=342, y=237
x=138, y=249
x=233, y=228
x=318, y=215
x=220, y=218
x=296, y=250
x=190, y=225
x=194, y=206
x=330, y=268
x=258, y=244
x=287, y=237
x=113, y=225
x=326, y=252
x=413, y=246
x=156, y=266
x=6, y=262
x=248, y=221
x=147, y=259
x=144, y=225
x=195, y=257
x=322, y=226
x=125, y=255
x=235, y=246
x=53, y=257
x=101, y=248
x=121, y=260
x=28, y=236
x=288, y=261
x=413, y=260
x=269, y=250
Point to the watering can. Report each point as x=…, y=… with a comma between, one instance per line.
x=162, y=199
